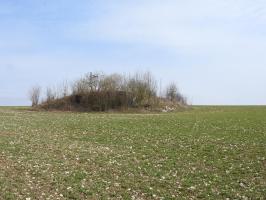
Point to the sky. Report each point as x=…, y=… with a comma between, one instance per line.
x=214, y=50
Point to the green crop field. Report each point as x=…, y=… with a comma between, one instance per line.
x=202, y=153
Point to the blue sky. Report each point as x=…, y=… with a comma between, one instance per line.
x=214, y=50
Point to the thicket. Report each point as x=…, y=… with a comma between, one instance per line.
x=100, y=92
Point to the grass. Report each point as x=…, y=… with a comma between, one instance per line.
x=203, y=153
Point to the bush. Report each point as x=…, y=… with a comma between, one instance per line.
x=34, y=95
x=173, y=94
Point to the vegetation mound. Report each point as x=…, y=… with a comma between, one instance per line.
x=99, y=92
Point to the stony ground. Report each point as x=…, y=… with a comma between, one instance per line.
x=203, y=153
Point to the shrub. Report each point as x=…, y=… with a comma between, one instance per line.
x=173, y=94
x=34, y=95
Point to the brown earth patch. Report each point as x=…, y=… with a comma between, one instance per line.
x=6, y=133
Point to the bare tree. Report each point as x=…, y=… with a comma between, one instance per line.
x=79, y=87
x=143, y=87
x=50, y=94
x=65, y=88
x=34, y=95
x=112, y=83
x=173, y=94
x=89, y=83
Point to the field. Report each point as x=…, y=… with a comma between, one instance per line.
x=202, y=153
